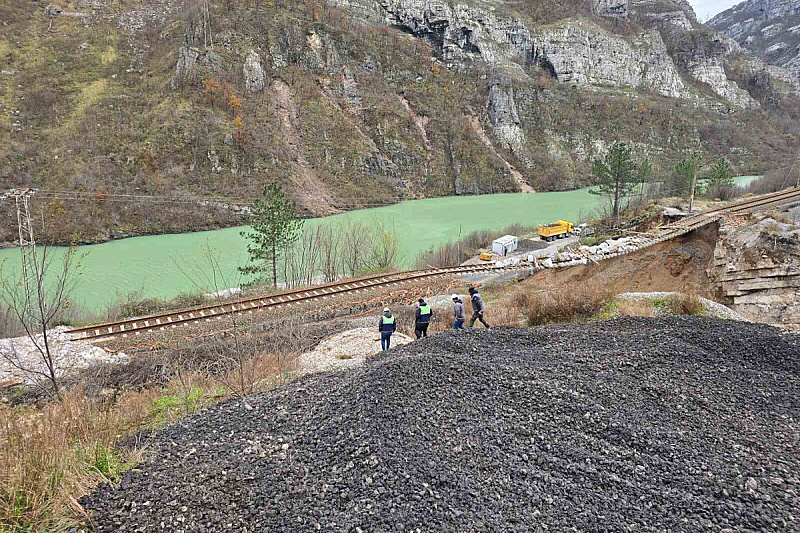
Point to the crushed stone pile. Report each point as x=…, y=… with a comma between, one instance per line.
x=635, y=424
x=346, y=349
x=21, y=360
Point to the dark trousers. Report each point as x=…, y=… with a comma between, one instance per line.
x=477, y=316
x=386, y=338
x=421, y=329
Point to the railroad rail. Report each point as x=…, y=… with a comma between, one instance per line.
x=172, y=319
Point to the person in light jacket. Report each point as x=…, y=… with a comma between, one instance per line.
x=477, y=307
x=386, y=325
x=458, y=313
x=422, y=319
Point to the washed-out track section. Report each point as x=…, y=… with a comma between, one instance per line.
x=174, y=319
x=697, y=221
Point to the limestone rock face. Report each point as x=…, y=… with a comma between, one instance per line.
x=582, y=53
x=768, y=28
x=711, y=71
x=611, y=8
x=757, y=270
x=669, y=19
x=254, y=76
x=504, y=118
x=190, y=58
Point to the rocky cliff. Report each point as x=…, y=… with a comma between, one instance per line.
x=756, y=267
x=355, y=103
x=768, y=28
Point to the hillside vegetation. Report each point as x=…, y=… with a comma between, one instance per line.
x=202, y=100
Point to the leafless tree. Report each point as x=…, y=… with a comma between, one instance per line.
x=354, y=243
x=384, y=251
x=328, y=252
x=36, y=305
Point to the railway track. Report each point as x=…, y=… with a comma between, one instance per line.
x=163, y=321
x=172, y=319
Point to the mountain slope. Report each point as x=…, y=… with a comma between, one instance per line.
x=356, y=104
x=769, y=28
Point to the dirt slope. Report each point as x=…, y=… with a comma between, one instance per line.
x=677, y=265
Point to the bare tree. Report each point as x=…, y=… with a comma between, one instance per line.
x=36, y=304
x=384, y=253
x=353, y=250
x=328, y=252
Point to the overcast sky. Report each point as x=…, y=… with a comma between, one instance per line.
x=706, y=9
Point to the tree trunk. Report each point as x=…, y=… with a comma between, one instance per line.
x=274, y=267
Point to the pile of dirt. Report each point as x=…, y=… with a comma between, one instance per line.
x=646, y=424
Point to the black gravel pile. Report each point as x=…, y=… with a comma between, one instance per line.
x=676, y=424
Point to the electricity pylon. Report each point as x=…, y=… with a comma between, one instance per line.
x=27, y=246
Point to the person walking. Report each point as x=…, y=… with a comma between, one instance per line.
x=458, y=313
x=477, y=308
x=423, y=318
x=386, y=326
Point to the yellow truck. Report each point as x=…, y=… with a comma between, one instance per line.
x=557, y=230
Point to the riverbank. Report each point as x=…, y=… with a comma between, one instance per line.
x=165, y=265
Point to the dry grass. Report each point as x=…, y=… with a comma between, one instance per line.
x=54, y=454
x=562, y=305
x=635, y=308
x=686, y=304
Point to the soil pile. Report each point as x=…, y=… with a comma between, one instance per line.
x=645, y=424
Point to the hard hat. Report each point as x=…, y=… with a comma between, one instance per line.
x=454, y=297
x=385, y=309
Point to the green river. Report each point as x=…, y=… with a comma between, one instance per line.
x=161, y=265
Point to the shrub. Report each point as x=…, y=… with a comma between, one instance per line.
x=686, y=304
x=564, y=304
x=635, y=308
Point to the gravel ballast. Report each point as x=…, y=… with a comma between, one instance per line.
x=635, y=424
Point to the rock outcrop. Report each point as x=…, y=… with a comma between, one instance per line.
x=582, y=53
x=768, y=28
x=576, y=51
x=668, y=15
x=757, y=270
x=504, y=118
x=254, y=76
x=710, y=70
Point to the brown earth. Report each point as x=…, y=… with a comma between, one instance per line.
x=676, y=265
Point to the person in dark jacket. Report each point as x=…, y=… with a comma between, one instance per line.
x=458, y=313
x=478, y=307
x=423, y=318
x=386, y=325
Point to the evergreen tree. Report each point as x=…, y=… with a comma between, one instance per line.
x=275, y=227
x=722, y=174
x=683, y=175
x=614, y=176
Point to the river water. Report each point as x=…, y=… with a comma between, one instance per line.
x=165, y=265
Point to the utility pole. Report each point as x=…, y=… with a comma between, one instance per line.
x=27, y=246
x=694, y=184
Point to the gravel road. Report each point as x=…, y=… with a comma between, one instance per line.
x=636, y=424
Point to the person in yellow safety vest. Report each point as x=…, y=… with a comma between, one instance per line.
x=423, y=318
x=386, y=326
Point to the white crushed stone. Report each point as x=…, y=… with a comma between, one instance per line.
x=20, y=353
x=713, y=308
x=346, y=350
